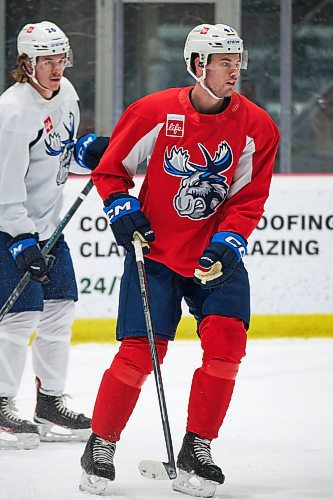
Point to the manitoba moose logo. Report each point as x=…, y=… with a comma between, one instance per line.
x=55, y=146
x=202, y=188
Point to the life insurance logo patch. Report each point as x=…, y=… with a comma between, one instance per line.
x=48, y=125
x=202, y=187
x=175, y=125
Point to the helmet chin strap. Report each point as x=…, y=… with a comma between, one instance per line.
x=33, y=77
x=201, y=80
x=202, y=83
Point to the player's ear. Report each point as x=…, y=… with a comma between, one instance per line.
x=197, y=66
x=27, y=66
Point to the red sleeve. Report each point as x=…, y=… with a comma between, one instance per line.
x=251, y=182
x=132, y=140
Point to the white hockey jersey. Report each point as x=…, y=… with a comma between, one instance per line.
x=36, y=154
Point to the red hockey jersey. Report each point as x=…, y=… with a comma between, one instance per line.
x=206, y=173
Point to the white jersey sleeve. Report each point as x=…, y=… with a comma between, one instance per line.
x=15, y=138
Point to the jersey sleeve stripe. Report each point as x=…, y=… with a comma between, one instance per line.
x=243, y=172
x=141, y=150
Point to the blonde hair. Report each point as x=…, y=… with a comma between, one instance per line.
x=19, y=73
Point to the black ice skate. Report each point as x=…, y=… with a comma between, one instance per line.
x=57, y=422
x=15, y=433
x=97, y=465
x=198, y=474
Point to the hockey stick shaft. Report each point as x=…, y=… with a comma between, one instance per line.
x=170, y=466
x=46, y=249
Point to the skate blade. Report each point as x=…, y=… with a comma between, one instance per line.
x=96, y=485
x=193, y=485
x=19, y=441
x=153, y=469
x=51, y=433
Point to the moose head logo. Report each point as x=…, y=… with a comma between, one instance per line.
x=55, y=147
x=202, y=187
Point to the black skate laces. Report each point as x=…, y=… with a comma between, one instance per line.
x=8, y=408
x=103, y=451
x=202, y=451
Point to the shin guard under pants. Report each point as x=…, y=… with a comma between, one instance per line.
x=223, y=341
x=121, y=386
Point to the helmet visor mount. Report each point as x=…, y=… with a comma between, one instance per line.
x=35, y=52
x=241, y=64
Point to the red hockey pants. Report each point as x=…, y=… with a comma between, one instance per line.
x=121, y=385
x=223, y=341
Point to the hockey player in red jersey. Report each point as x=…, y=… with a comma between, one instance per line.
x=211, y=156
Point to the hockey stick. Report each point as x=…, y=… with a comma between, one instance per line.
x=150, y=468
x=47, y=247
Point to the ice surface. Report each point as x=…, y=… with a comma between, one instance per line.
x=276, y=442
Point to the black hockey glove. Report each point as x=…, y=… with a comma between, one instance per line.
x=220, y=259
x=27, y=255
x=126, y=218
x=89, y=149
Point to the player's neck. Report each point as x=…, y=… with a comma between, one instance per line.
x=46, y=93
x=203, y=102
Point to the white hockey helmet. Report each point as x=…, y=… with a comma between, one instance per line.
x=43, y=39
x=207, y=39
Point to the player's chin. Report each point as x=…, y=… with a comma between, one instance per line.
x=54, y=84
x=229, y=90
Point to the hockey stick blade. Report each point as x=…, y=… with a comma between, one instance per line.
x=157, y=470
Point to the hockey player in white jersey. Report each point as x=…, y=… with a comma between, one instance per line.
x=39, y=119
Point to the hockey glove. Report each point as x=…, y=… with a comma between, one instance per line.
x=89, y=150
x=126, y=218
x=220, y=259
x=27, y=255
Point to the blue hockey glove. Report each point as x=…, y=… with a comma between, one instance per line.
x=89, y=150
x=126, y=218
x=27, y=255
x=220, y=259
